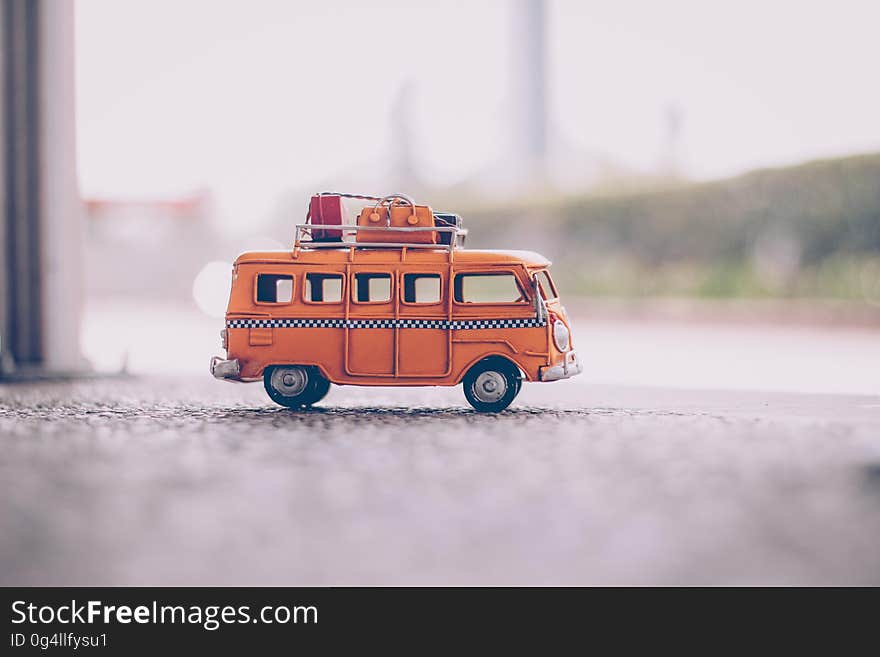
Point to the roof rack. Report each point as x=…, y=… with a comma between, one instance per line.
x=349, y=235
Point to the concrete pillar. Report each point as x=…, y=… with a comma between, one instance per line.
x=62, y=211
x=42, y=218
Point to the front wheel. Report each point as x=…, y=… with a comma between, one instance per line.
x=295, y=386
x=492, y=384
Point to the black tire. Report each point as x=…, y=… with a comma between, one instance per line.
x=319, y=387
x=492, y=384
x=294, y=386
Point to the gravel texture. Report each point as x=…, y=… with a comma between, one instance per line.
x=190, y=481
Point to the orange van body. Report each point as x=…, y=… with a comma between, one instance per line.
x=397, y=339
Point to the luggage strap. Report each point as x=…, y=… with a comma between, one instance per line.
x=365, y=197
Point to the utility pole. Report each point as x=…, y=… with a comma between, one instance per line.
x=405, y=172
x=529, y=74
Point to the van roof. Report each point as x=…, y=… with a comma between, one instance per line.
x=392, y=255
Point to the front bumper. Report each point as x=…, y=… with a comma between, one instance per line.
x=568, y=368
x=225, y=369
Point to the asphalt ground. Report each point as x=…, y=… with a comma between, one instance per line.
x=191, y=481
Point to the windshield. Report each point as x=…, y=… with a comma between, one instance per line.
x=545, y=284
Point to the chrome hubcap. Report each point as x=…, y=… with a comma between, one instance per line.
x=289, y=381
x=490, y=387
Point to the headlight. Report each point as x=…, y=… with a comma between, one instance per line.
x=561, y=336
x=224, y=339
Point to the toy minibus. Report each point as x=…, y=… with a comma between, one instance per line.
x=399, y=312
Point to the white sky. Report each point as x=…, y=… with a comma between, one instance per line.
x=251, y=98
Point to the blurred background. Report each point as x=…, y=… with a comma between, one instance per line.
x=705, y=176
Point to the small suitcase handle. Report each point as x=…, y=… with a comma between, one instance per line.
x=392, y=200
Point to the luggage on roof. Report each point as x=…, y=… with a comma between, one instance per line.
x=447, y=220
x=326, y=210
x=397, y=211
x=392, y=219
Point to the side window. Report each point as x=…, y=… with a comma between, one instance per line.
x=495, y=287
x=372, y=288
x=323, y=288
x=546, y=285
x=422, y=288
x=274, y=288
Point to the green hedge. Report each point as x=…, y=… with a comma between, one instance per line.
x=808, y=230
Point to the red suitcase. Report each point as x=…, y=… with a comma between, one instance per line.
x=326, y=210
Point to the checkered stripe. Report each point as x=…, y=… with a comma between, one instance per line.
x=460, y=324
x=525, y=322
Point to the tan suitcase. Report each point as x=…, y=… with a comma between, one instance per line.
x=397, y=211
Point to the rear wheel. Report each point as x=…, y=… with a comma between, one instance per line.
x=295, y=386
x=492, y=384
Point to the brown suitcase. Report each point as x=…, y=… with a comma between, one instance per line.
x=397, y=211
